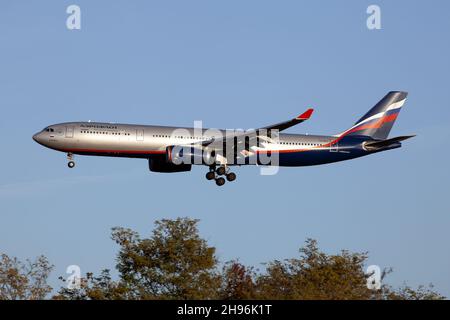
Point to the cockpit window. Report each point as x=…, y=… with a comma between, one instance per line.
x=49, y=130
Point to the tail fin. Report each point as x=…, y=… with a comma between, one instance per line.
x=378, y=122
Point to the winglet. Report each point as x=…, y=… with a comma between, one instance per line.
x=305, y=115
x=290, y=123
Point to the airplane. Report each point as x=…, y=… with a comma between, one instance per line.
x=174, y=149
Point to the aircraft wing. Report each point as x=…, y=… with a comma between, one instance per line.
x=263, y=132
x=251, y=138
x=290, y=123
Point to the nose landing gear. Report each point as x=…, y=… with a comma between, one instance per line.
x=71, y=163
x=215, y=174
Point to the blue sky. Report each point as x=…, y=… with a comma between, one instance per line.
x=231, y=64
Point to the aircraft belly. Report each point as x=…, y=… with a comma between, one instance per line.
x=311, y=158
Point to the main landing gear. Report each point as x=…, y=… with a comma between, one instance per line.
x=71, y=163
x=216, y=174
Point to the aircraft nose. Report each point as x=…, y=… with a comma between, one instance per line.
x=37, y=138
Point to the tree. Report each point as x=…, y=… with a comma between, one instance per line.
x=237, y=282
x=91, y=287
x=24, y=281
x=176, y=263
x=320, y=276
x=408, y=293
x=316, y=275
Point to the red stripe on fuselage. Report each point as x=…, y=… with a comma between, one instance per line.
x=115, y=151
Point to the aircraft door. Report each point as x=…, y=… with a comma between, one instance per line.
x=334, y=147
x=140, y=135
x=69, y=132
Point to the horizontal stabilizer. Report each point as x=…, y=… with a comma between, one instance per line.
x=393, y=142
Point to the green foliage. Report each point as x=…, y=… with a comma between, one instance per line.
x=24, y=281
x=237, y=282
x=316, y=275
x=101, y=287
x=408, y=293
x=174, y=262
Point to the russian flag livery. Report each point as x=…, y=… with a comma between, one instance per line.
x=378, y=122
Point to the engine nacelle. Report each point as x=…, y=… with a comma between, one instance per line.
x=161, y=165
x=179, y=155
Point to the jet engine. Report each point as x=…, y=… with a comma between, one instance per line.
x=179, y=155
x=161, y=165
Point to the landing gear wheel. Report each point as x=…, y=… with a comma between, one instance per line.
x=210, y=175
x=71, y=163
x=221, y=171
x=220, y=181
x=231, y=176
